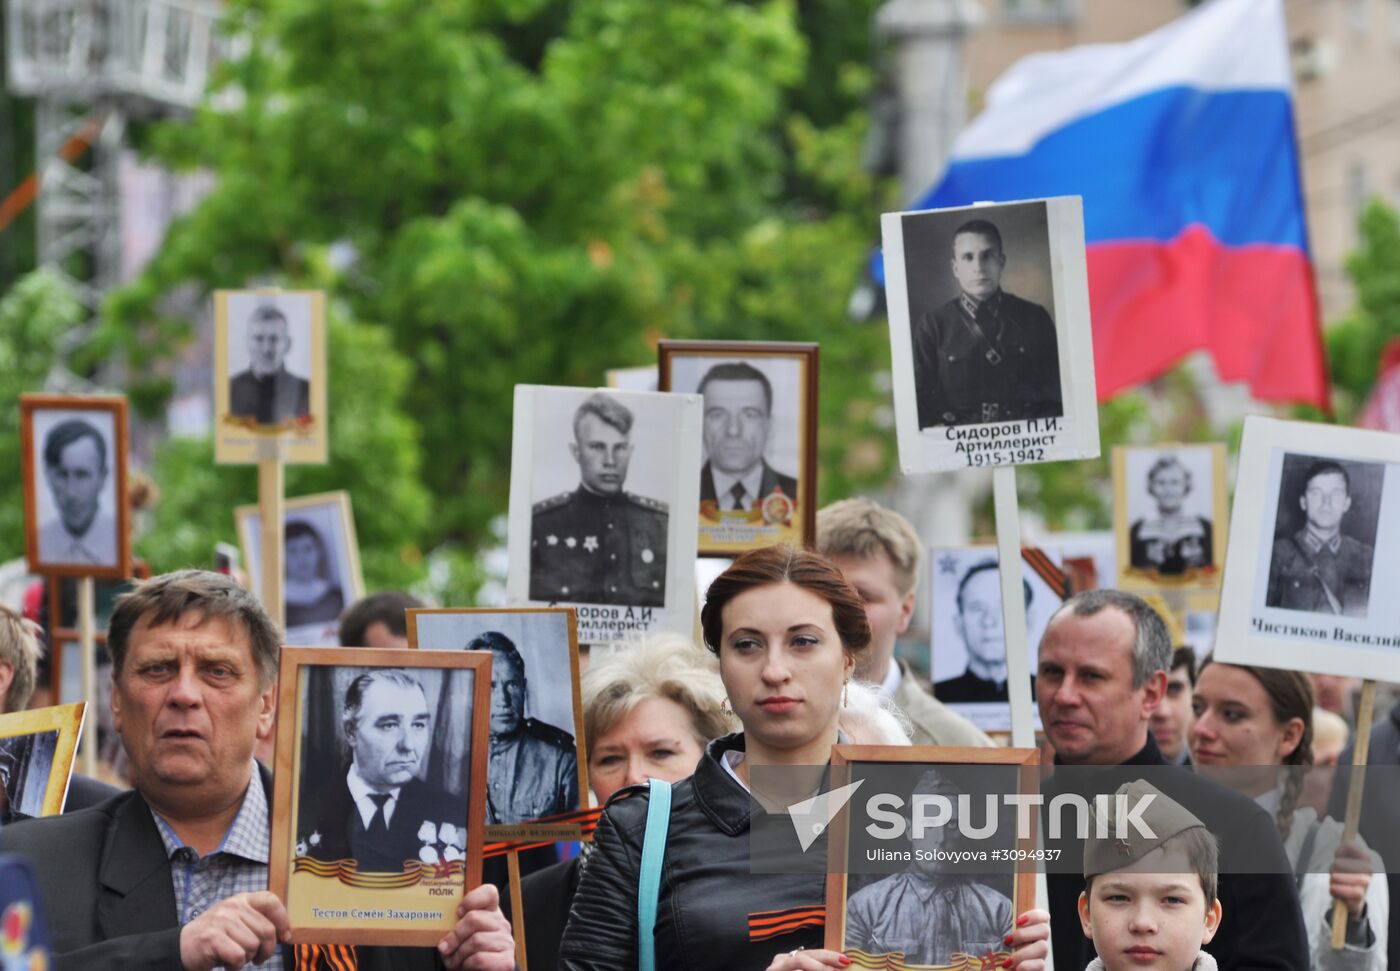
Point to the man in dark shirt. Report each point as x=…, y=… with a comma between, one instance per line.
x=267, y=392
x=986, y=355
x=1101, y=674
x=979, y=624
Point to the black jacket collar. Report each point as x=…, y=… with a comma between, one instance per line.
x=723, y=801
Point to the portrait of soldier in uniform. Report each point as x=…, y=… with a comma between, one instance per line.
x=533, y=769
x=978, y=623
x=76, y=469
x=598, y=543
x=985, y=355
x=1171, y=542
x=266, y=391
x=929, y=912
x=738, y=419
x=377, y=810
x=1319, y=568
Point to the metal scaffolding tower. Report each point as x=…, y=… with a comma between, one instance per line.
x=90, y=65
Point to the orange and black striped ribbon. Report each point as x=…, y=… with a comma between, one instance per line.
x=326, y=957
x=767, y=924
x=585, y=819
x=1045, y=568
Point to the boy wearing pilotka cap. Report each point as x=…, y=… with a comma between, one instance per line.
x=1150, y=901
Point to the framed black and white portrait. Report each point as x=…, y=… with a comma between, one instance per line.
x=1169, y=514
x=321, y=560
x=378, y=791
x=36, y=759
x=758, y=481
x=73, y=457
x=1313, y=568
x=969, y=668
x=921, y=873
x=538, y=769
x=270, y=376
x=990, y=335
x=604, y=488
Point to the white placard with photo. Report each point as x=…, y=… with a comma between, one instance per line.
x=322, y=564
x=990, y=335
x=1310, y=583
x=604, y=493
x=968, y=641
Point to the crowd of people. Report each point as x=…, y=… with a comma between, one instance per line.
x=798, y=654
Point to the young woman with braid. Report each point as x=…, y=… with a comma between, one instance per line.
x=1253, y=732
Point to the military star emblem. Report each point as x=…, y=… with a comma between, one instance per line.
x=948, y=563
x=590, y=543
x=570, y=542
x=552, y=540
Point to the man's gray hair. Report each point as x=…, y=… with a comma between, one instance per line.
x=1152, y=645
x=355, y=694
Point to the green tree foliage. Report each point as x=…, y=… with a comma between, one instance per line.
x=1355, y=342
x=33, y=316
x=533, y=191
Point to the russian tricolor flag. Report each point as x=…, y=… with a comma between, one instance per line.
x=1182, y=144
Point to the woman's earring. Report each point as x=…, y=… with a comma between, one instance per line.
x=846, y=693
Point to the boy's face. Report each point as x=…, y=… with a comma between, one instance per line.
x=1142, y=918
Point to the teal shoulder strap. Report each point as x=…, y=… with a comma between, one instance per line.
x=649, y=880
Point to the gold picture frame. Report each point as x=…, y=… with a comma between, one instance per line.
x=385, y=893
x=30, y=738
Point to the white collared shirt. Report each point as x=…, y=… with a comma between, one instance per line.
x=894, y=677
x=360, y=792
x=724, y=485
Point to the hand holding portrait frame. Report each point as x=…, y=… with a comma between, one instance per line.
x=379, y=791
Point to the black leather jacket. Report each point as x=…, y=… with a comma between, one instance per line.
x=712, y=912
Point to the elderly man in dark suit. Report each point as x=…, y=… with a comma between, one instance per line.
x=738, y=419
x=379, y=813
x=267, y=392
x=173, y=874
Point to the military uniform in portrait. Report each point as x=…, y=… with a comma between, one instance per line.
x=340, y=831
x=1324, y=577
x=270, y=400
x=996, y=360
x=533, y=773
x=591, y=548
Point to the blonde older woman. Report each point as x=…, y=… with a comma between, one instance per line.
x=649, y=709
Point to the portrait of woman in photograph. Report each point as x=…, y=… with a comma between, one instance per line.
x=1171, y=541
x=312, y=594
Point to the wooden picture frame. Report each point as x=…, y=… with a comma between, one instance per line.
x=339, y=561
x=1181, y=548
x=1020, y=854
x=546, y=638
x=103, y=549
x=1020, y=391
x=28, y=740
x=381, y=895
x=282, y=415
x=1290, y=600
x=604, y=488
x=776, y=506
